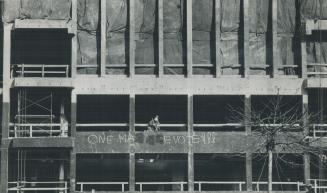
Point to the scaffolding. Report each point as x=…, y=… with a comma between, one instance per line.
x=29, y=124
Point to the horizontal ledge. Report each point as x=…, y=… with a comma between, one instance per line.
x=317, y=64
x=287, y=66
x=218, y=125
x=102, y=124
x=42, y=24
x=316, y=73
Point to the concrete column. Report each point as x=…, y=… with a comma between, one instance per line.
x=306, y=161
x=248, y=170
x=131, y=32
x=73, y=109
x=74, y=40
x=62, y=173
x=189, y=38
x=274, y=38
x=160, y=39
x=4, y=170
x=190, y=144
x=247, y=113
x=72, y=171
x=217, y=30
x=246, y=32
x=132, y=145
x=103, y=37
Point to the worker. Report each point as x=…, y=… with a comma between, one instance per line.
x=154, y=124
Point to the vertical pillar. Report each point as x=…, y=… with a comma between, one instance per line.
x=74, y=39
x=306, y=156
x=103, y=37
x=190, y=144
x=5, y=105
x=73, y=110
x=132, y=145
x=248, y=156
x=248, y=171
x=4, y=169
x=274, y=12
x=160, y=38
x=304, y=58
x=72, y=171
x=131, y=39
x=62, y=173
x=189, y=38
x=247, y=113
x=246, y=38
x=217, y=39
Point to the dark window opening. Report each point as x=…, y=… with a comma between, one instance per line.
x=102, y=112
x=161, y=172
x=216, y=113
x=171, y=112
x=40, y=53
x=102, y=172
x=219, y=172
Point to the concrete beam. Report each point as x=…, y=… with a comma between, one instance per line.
x=43, y=24
x=43, y=82
x=66, y=142
x=195, y=85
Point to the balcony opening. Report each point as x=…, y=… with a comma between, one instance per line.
x=219, y=172
x=39, y=112
x=40, y=53
x=278, y=111
x=214, y=113
x=169, y=113
x=102, y=172
x=161, y=172
x=318, y=112
x=102, y=112
x=33, y=170
x=287, y=172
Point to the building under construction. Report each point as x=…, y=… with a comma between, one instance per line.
x=136, y=95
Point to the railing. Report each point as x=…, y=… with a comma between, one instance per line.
x=318, y=130
x=38, y=186
x=317, y=69
x=238, y=184
x=298, y=185
x=80, y=185
x=318, y=184
x=42, y=70
x=142, y=184
x=37, y=130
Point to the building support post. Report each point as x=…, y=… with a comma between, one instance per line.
x=190, y=143
x=131, y=31
x=274, y=39
x=74, y=40
x=72, y=171
x=103, y=37
x=160, y=39
x=248, y=170
x=217, y=39
x=246, y=35
x=131, y=142
x=305, y=113
x=5, y=106
x=189, y=38
x=248, y=156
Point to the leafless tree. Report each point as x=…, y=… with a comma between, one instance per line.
x=278, y=126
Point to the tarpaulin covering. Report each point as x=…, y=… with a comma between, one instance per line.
x=146, y=36
x=231, y=51
x=258, y=25
x=317, y=43
x=36, y=9
x=288, y=46
x=174, y=39
x=117, y=35
x=88, y=36
x=203, y=35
